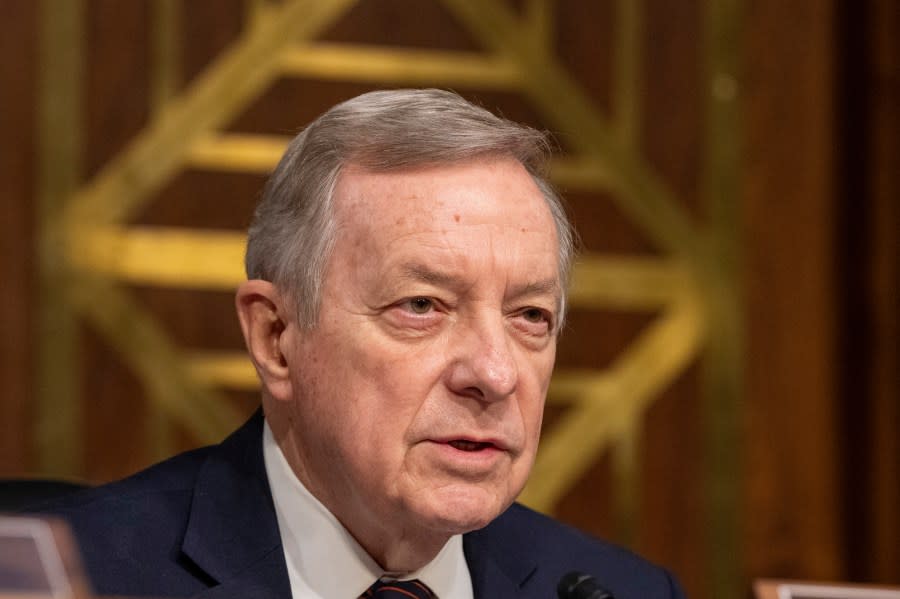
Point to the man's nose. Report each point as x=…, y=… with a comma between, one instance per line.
x=483, y=364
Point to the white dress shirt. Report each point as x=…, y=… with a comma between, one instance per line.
x=324, y=561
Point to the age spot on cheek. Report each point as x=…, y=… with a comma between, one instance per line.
x=456, y=218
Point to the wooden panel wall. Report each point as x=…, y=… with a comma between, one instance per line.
x=792, y=420
x=817, y=416
x=869, y=213
x=18, y=72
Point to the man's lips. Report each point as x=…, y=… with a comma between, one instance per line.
x=469, y=456
x=472, y=444
x=463, y=445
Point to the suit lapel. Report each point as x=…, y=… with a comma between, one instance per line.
x=232, y=531
x=498, y=561
x=263, y=579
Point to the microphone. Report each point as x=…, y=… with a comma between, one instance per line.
x=577, y=585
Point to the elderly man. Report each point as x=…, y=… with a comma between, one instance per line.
x=407, y=270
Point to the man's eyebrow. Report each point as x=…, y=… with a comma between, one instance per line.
x=426, y=274
x=545, y=287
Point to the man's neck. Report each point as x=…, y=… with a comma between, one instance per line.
x=345, y=569
x=402, y=554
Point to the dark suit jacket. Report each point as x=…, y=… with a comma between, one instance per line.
x=203, y=524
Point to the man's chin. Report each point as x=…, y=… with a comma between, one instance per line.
x=460, y=511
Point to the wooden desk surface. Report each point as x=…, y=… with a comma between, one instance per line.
x=796, y=589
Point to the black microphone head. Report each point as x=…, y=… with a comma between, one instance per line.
x=577, y=585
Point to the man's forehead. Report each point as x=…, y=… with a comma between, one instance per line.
x=418, y=195
x=471, y=218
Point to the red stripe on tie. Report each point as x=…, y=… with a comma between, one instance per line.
x=397, y=590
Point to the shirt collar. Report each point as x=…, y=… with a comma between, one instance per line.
x=324, y=560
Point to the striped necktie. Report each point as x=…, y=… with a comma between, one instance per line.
x=398, y=589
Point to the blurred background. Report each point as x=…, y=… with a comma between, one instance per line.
x=726, y=396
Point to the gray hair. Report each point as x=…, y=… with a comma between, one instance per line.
x=293, y=230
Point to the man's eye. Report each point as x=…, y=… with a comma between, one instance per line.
x=421, y=305
x=534, y=315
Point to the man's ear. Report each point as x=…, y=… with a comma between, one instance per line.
x=262, y=311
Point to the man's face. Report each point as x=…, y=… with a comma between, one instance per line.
x=417, y=399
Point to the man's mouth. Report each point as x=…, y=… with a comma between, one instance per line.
x=463, y=445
